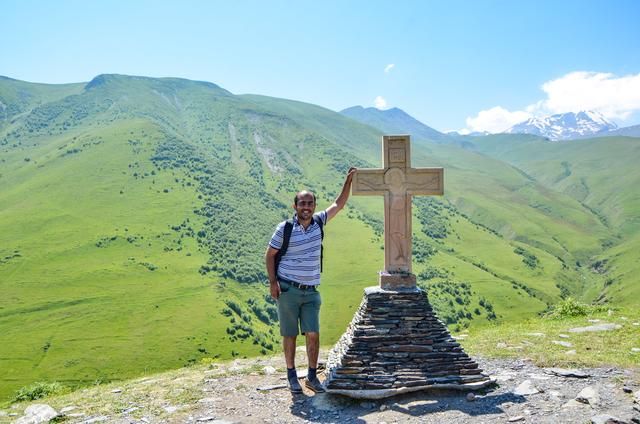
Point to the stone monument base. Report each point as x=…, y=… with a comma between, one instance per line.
x=395, y=344
x=389, y=281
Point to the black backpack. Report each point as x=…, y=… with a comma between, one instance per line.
x=288, y=227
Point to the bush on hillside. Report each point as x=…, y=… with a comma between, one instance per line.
x=572, y=308
x=39, y=390
x=528, y=258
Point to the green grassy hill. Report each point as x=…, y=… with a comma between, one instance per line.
x=602, y=175
x=134, y=214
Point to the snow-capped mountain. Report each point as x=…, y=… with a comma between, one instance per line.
x=565, y=126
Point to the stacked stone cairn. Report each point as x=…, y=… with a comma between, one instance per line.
x=396, y=344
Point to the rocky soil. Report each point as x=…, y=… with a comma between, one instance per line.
x=254, y=391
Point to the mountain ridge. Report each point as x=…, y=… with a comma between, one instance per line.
x=394, y=121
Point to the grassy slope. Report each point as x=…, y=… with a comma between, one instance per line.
x=78, y=312
x=534, y=339
x=87, y=312
x=602, y=175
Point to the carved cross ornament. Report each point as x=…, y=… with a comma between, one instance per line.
x=397, y=182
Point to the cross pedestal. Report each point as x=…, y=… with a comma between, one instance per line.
x=397, y=182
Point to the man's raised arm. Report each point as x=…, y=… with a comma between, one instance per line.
x=341, y=200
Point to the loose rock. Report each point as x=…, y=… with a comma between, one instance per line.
x=97, y=419
x=573, y=404
x=589, y=395
x=38, y=413
x=598, y=327
x=526, y=388
x=605, y=419
x=268, y=370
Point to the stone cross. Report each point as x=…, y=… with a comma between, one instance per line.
x=397, y=182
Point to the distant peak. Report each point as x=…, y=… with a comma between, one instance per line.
x=393, y=110
x=108, y=79
x=352, y=109
x=104, y=79
x=393, y=121
x=97, y=81
x=565, y=126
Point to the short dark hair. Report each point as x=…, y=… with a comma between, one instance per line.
x=295, y=199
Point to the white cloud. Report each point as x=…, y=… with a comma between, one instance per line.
x=389, y=67
x=616, y=98
x=380, y=103
x=494, y=120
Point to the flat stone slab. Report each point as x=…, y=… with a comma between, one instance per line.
x=562, y=343
x=271, y=387
x=385, y=393
x=599, y=327
x=377, y=289
x=567, y=372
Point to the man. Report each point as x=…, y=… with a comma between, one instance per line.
x=294, y=283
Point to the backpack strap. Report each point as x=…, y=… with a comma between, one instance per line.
x=286, y=236
x=318, y=221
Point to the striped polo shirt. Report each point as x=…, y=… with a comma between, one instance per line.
x=301, y=262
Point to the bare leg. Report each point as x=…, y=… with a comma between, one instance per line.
x=313, y=349
x=289, y=346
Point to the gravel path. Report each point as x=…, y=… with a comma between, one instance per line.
x=253, y=391
x=524, y=393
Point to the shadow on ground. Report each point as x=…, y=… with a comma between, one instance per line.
x=325, y=408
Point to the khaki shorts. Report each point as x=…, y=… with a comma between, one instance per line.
x=298, y=310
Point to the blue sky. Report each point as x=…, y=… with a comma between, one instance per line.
x=453, y=65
